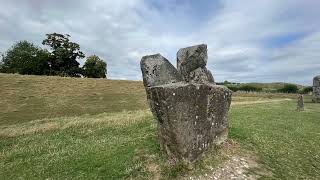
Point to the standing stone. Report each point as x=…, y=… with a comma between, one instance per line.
x=300, y=103
x=201, y=75
x=191, y=64
x=191, y=111
x=316, y=89
x=191, y=117
x=157, y=70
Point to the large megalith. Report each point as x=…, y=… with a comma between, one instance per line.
x=316, y=89
x=191, y=111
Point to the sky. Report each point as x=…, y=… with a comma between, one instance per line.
x=248, y=40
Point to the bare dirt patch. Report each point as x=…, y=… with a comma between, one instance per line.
x=237, y=167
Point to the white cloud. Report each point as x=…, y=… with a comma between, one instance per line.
x=238, y=33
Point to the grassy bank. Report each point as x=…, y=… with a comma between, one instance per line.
x=25, y=98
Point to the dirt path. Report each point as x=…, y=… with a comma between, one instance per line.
x=235, y=168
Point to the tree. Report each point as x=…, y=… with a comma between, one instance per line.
x=95, y=67
x=1, y=63
x=306, y=90
x=249, y=88
x=289, y=88
x=25, y=58
x=64, y=55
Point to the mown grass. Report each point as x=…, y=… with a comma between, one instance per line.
x=124, y=145
x=119, y=142
x=90, y=147
x=286, y=140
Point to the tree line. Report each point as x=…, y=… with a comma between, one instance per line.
x=61, y=59
x=287, y=88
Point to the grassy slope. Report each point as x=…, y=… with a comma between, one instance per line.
x=24, y=98
x=123, y=144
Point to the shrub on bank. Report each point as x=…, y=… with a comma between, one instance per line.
x=289, y=88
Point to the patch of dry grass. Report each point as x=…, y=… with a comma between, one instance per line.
x=259, y=101
x=121, y=119
x=26, y=98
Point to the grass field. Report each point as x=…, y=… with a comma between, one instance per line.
x=26, y=98
x=65, y=128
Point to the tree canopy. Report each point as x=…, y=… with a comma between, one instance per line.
x=95, y=67
x=62, y=59
x=25, y=58
x=64, y=54
x=289, y=88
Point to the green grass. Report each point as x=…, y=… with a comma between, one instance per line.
x=287, y=141
x=99, y=146
x=113, y=140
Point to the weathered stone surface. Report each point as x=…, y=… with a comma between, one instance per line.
x=200, y=75
x=191, y=117
x=191, y=58
x=191, y=111
x=300, y=104
x=316, y=81
x=316, y=89
x=157, y=70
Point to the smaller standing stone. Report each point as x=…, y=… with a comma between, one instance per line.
x=201, y=75
x=300, y=103
x=157, y=70
x=190, y=59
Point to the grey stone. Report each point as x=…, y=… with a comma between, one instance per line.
x=191, y=58
x=157, y=70
x=316, y=81
x=191, y=111
x=191, y=117
x=200, y=75
x=316, y=89
x=300, y=104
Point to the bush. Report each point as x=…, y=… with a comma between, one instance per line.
x=246, y=87
x=25, y=58
x=95, y=67
x=232, y=88
x=289, y=88
x=249, y=88
x=306, y=90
